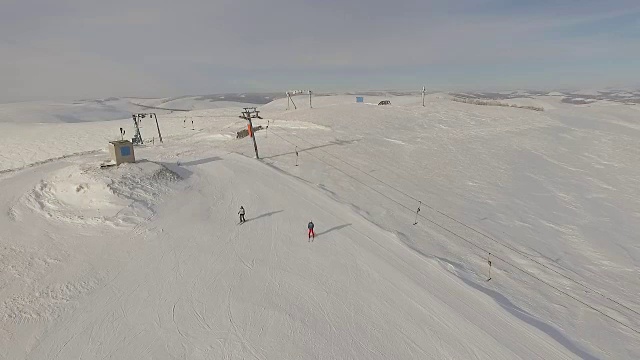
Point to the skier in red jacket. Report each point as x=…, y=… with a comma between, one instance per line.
x=311, y=233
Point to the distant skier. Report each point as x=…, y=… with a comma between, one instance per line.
x=241, y=213
x=311, y=233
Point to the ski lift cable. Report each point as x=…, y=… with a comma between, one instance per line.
x=583, y=302
x=530, y=258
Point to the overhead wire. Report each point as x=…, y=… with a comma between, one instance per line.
x=528, y=257
x=479, y=247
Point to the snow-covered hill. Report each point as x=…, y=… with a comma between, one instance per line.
x=147, y=260
x=66, y=112
x=190, y=103
x=116, y=108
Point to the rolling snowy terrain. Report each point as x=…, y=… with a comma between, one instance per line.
x=147, y=260
x=117, y=108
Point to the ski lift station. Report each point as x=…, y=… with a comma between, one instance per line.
x=121, y=151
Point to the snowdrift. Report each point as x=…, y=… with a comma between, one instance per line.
x=92, y=196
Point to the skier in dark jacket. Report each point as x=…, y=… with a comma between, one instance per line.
x=241, y=213
x=310, y=227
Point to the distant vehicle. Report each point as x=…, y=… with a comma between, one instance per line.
x=384, y=102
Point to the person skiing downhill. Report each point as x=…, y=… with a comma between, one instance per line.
x=311, y=233
x=241, y=213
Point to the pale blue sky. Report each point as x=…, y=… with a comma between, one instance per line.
x=87, y=49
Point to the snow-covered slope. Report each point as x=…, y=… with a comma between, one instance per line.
x=191, y=103
x=147, y=260
x=66, y=112
x=202, y=102
x=107, y=109
x=28, y=144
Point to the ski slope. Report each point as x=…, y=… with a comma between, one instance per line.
x=147, y=260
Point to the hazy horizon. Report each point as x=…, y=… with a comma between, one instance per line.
x=236, y=96
x=76, y=49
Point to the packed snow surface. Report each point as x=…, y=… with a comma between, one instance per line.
x=148, y=261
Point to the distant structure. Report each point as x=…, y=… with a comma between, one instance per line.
x=137, y=119
x=384, y=102
x=423, y=92
x=359, y=99
x=296, y=92
x=137, y=138
x=121, y=152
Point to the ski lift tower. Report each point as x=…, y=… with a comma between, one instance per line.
x=423, y=91
x=137, y=138
x=248, y=114
x=297, y=92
